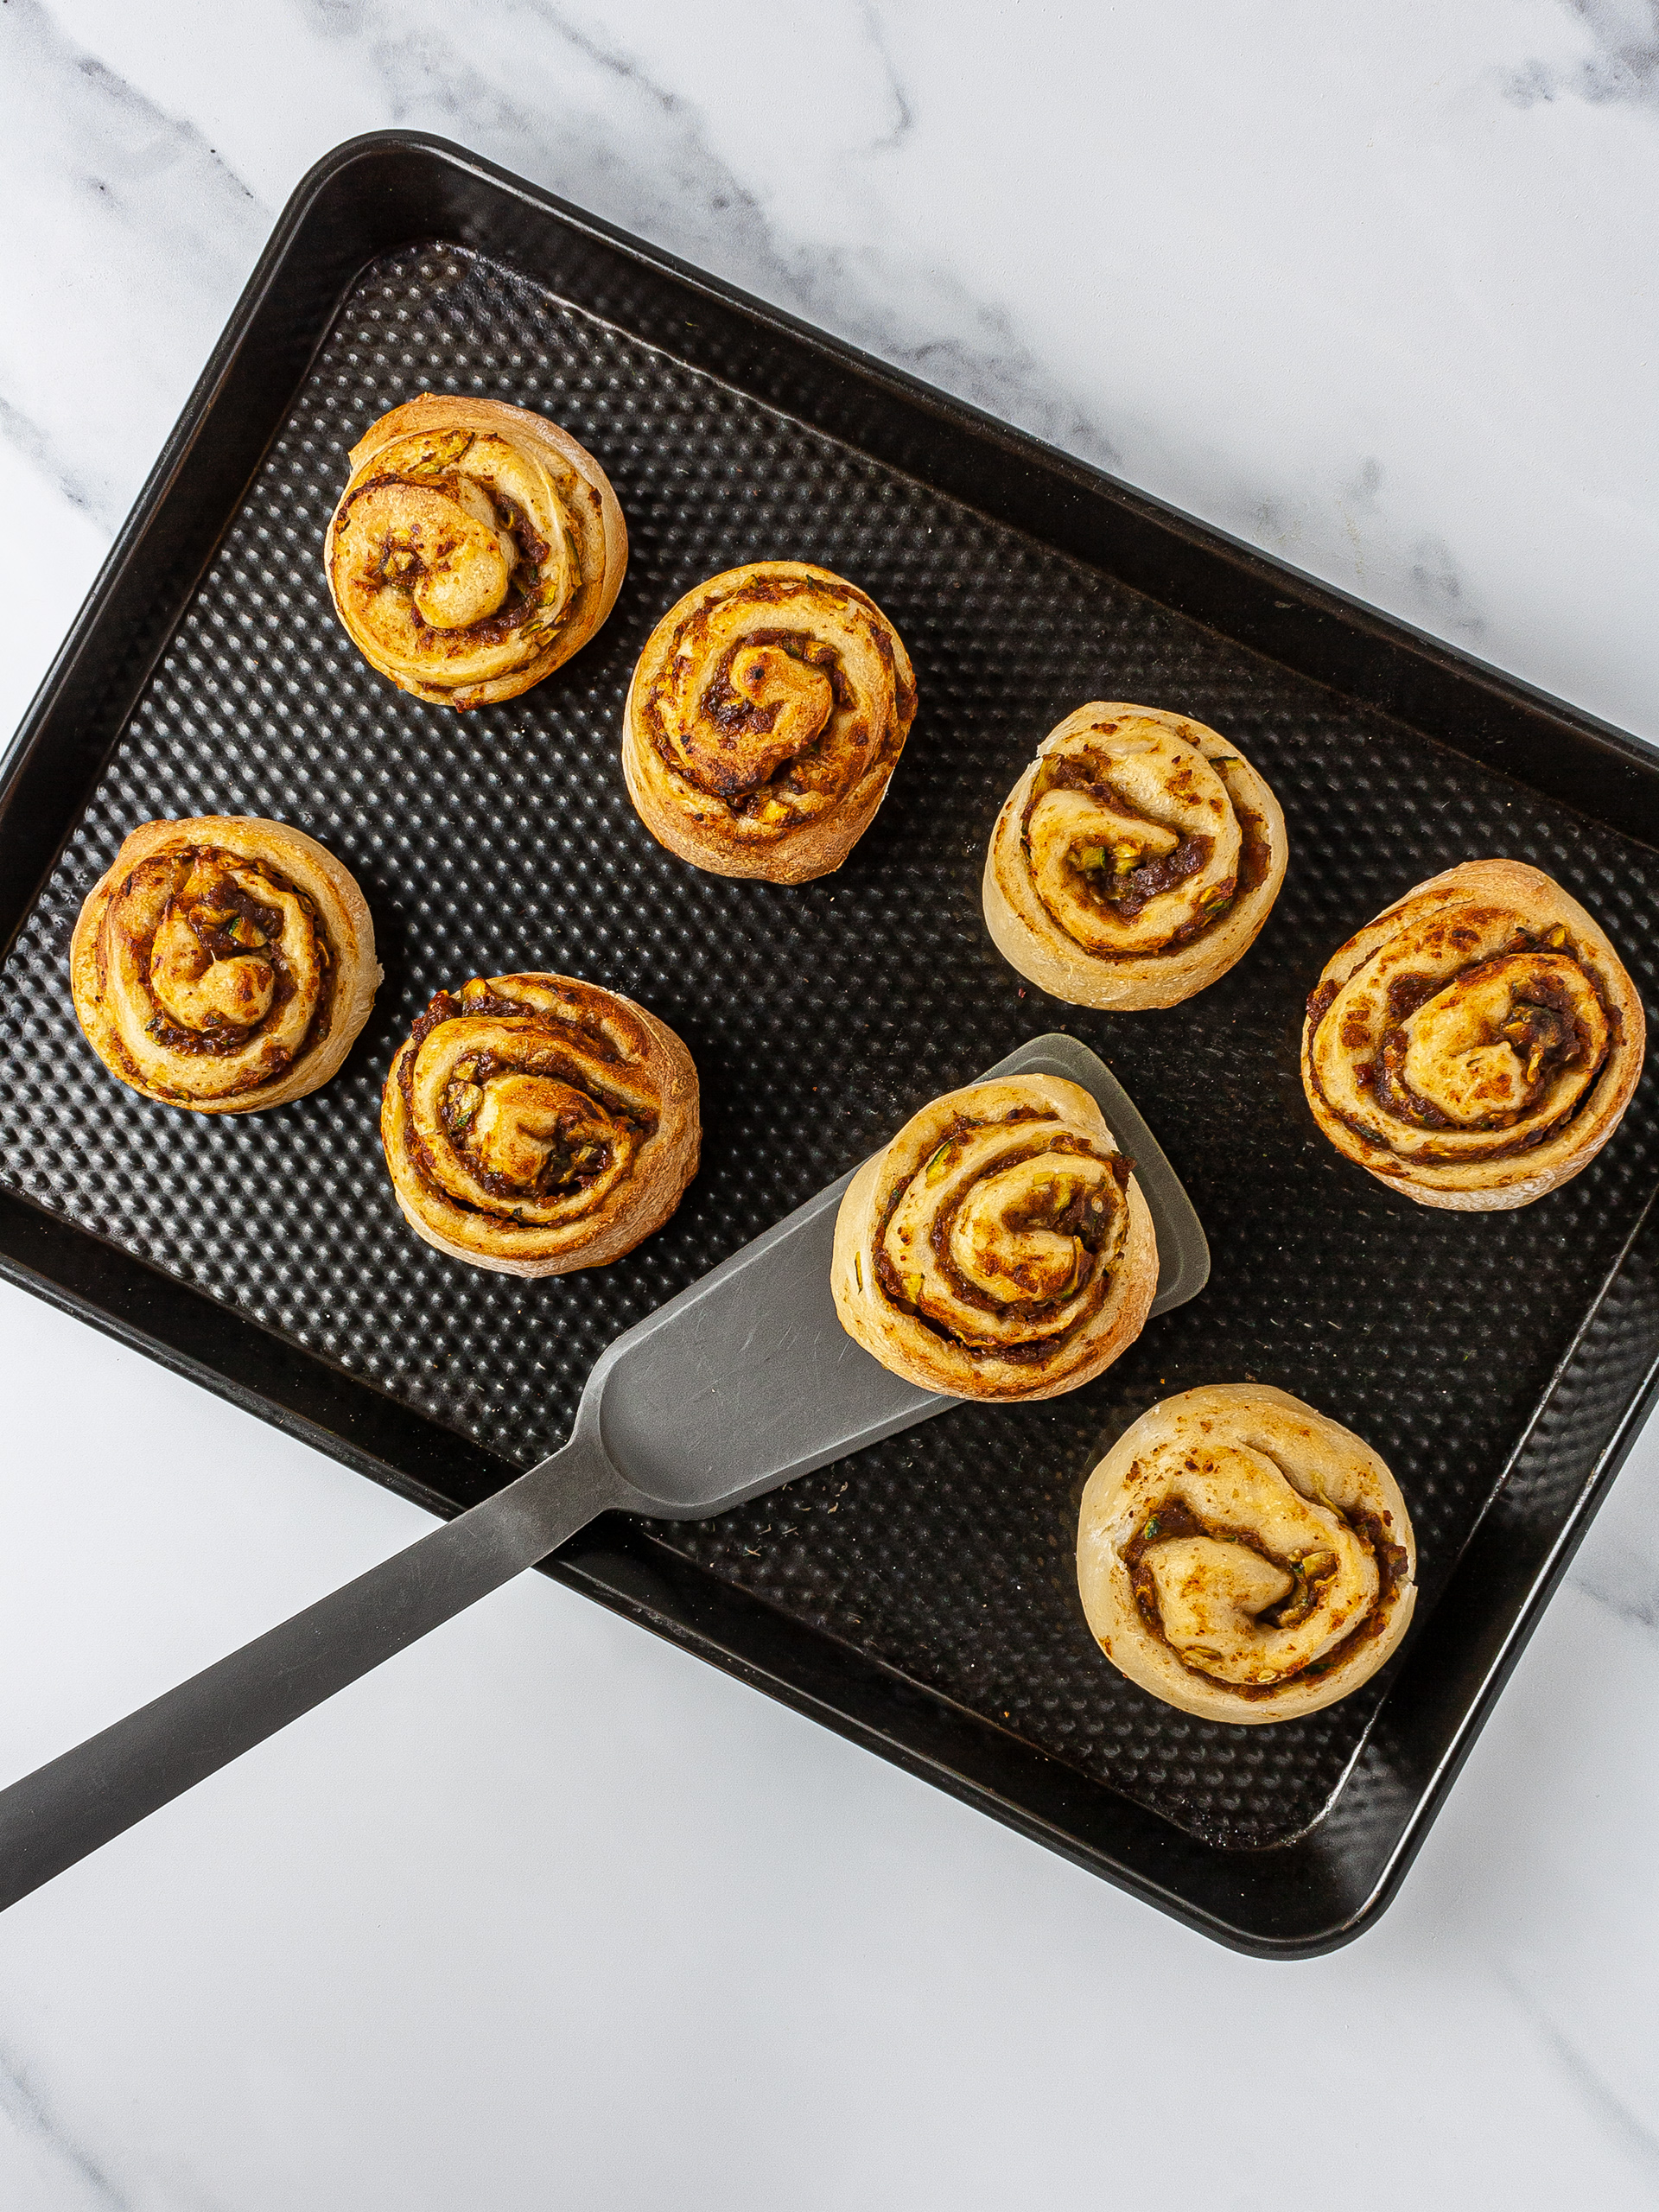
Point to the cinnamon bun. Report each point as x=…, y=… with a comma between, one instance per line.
x=1000, y=1247
x=223, y=963
x=1475, y=1045
x=1136, y=859
x=1244, y=1557
x=765, y=716
x=476, y=547
x=535, y=1124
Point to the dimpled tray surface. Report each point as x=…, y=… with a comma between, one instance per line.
x=819, y=1018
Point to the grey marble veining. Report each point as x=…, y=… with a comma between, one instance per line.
x=1372, y=302
x=1588, y=2077
x=34, y=2127
x=1374, y=292
x=1621, y=64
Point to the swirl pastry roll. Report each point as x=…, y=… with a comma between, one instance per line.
x=223, y=963
x=1000, y=1247
x=767, y=713
x=1244, y=1558
x=535, y=1124
x=1476, y=1044
x=475, y=548
x=1134, y=861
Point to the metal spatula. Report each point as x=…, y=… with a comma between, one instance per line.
x=742, y=1382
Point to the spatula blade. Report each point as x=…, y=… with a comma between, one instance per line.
x=743, y=1382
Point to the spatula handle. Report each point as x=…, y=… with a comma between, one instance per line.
x=62, y=1811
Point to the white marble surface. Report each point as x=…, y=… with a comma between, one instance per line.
x=546, y=1913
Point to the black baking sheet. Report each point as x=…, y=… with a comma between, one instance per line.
x=922, y=1595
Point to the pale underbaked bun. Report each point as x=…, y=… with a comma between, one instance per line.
x=1000, y=1247
x=1136, y=859
x=1476, y=1044
x=224, y=963
x=765, y=716
x=1244, y=1558
x=475, y=548
x=535, y=1124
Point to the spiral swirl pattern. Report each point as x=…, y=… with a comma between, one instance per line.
x=1244, y=1557
x=1136, y=859
x=475, y=548
x=535, y=1124
x=1477, y=1043
x=765, y=716
x=224, y=963
x=1000, y=1247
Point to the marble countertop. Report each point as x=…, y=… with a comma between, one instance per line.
x=546, y=1911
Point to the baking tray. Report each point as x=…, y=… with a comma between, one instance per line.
x=920, y=1597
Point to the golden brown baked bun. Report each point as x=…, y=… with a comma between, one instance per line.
x=768, y=711
x=1244, y=1558
x=223, y=963
x=1000, y=1247
x=1475, y=1043
x=1134, y=861
x=535, y=1124
x=475, y=548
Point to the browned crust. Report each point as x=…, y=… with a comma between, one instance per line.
x=906, y=1345
x=1353, y=1480
x=346, y=921
x=1029, y=938
x=696, y=826
x=666, y=1164
x=597, y=517
x=1497, y=1185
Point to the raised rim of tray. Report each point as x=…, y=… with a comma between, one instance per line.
x=388, y=188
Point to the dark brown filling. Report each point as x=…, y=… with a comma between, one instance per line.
x=232, y=924
x=513, y=613
x=729, y=710
x=1093, y=1232
x=531, y=547
x=560, y=1170
x=1174, y=1518
x=401, y=568
x=1125, y=895
x=1543, y=1028
x=574, y=1160
x=735, y=715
